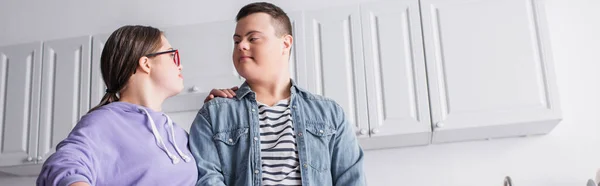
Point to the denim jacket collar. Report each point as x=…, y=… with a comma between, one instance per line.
x=245, y=90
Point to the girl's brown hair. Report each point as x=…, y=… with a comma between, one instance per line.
x=120, y=56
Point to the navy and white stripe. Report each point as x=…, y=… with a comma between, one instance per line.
x=279, y=155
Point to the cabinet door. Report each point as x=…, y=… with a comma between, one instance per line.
x=335, y=67
x=65, y=90
x=97, y=86
x=395, y=73
x=298, y=52
x=20, y=70
x=489, y=68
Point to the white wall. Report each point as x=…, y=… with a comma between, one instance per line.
x=568, y=156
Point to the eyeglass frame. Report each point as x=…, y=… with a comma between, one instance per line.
x=176, y=59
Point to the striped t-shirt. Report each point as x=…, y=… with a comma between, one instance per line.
x=279, y=155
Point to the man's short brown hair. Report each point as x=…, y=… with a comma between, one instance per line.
x=279, y=19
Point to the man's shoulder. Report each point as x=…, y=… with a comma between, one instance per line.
x=310, y=97
x=219, y=103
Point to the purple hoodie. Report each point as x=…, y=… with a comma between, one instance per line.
x=122, y=144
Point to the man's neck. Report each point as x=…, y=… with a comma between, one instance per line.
x=270, y=93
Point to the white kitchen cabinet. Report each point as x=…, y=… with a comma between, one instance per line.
x=44, y=90
x=20, y=76
x=369, y=59
x=65, y=95
x=334, y=60
x=395, y=75
x=490, y=69
x=97, y=86
x=406, y=72
x=468, y=69
x=298, y=52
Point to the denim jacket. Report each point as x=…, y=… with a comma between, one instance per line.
x=225, y=140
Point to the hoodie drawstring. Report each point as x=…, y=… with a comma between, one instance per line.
x=185, y=157
x=160, y=141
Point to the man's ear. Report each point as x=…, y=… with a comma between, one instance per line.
x=144, y=65
x=288, y=42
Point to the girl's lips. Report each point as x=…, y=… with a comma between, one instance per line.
x=244, y=58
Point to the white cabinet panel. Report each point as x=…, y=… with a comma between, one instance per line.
x=395, y=73
x=97, y=86
x=65, y=90
x=298, y=52
x=335, y=67
x=489, y=67
x=20, y=70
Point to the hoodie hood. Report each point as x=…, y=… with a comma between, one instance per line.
x=153, y=117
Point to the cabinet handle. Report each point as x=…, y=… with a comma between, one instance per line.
x=375, y=131
x=39, y=158
x=439, y=125
x=507, y=181
x=363, y=132
x=194, y=89
x=29, y=158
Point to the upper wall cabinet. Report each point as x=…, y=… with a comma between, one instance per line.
x=97, y=86
x=468, y=69
x=20, y=76
x=406, y=72
x=298, y=68
x=396, y=77
x=490, y=69
x=65, y=95
x=369, y=58
x=44, y=90
x=334, y=60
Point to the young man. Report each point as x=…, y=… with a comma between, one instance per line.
x=272, y=132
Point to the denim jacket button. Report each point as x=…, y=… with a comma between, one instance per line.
x=230, y=140
x=299, y=133
x=255, y=171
